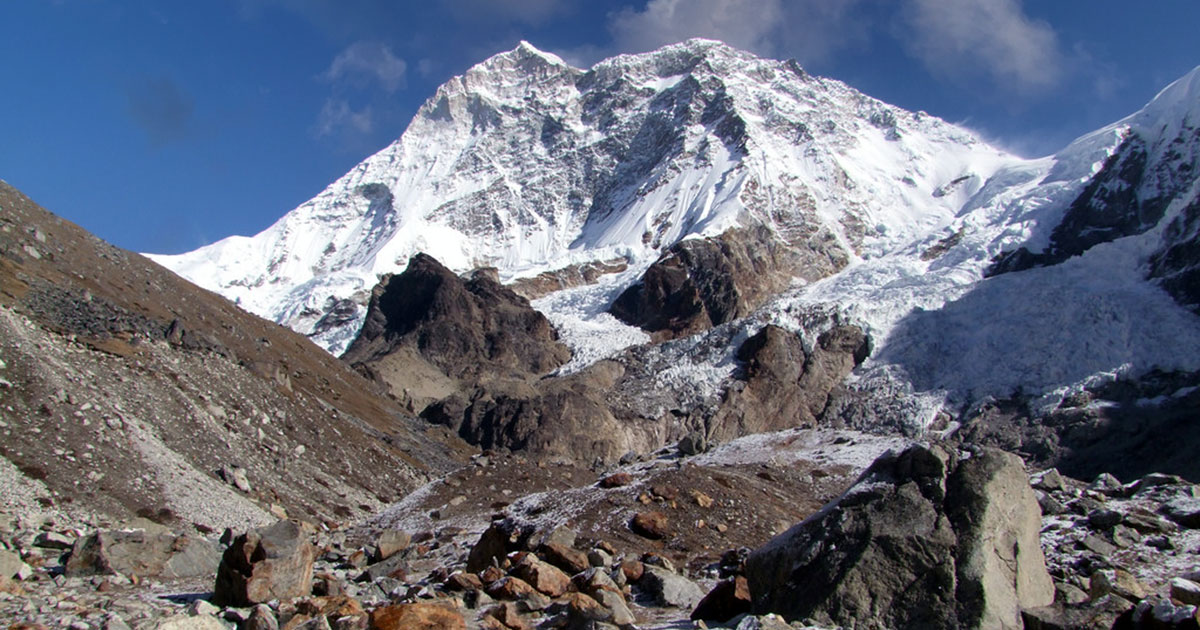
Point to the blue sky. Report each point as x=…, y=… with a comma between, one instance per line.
x=163, y=125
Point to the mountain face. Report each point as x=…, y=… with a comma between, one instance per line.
x=528, y=165
x=666, y=208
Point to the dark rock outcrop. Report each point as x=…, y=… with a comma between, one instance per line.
x=925, y=539
x=700, y=283
x=1177, y=265
x=428, y=330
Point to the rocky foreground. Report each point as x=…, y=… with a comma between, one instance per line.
x=925, y=537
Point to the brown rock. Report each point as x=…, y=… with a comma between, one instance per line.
x=701, y=499
x=420, y=616
x=507, y=614
x=491, y=574
x=650, y=525
x=666, y=493
x=616, y=480
x=570, y=560
x=332, y=607
x=728, y=599
x=515, y=589
x=633, y=570
x=582, y=608
x=267, y=563
x=390, y=543
x=543, y=576
x=461, y=581
x=261, y=618
x=488, y=622
x=1118, y=582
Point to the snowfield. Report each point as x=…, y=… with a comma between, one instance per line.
x=527, y=164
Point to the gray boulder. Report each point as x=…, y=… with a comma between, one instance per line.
x=925, y=538
x=144, y=553
x=667, y=588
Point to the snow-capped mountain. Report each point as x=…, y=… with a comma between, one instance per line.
x=528, y=164
x=975, y=273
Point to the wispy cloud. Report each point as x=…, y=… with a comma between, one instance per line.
x=365, y=62
x=337, y=118
x=747, y=24
x=963, y=38
x=160, y=107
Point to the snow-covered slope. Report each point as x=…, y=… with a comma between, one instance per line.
x=527, y=164
x=976, y=273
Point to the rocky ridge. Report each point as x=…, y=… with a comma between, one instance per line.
x=126, y=391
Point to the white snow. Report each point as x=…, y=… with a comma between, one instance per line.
x=527, y=164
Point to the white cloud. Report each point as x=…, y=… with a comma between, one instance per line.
x=747, y=24
x=368, y=61
x=960, y=38
x=807, y=30
x=337, y=116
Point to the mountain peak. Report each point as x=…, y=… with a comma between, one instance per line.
x=1174, y=104
x=525, y=52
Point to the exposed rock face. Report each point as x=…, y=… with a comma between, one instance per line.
x=143, y=553
x=1108, y=208
x=268, y=563
x=565, y=278
x=1177, y=264
x=924, y=539
x=701, y=283
x=1129, y=195
x=1116, y=428
x=464, y=329
x=784, y=385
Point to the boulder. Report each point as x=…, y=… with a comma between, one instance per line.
x=667, y=588
x=261, y=618
x=494, y=543
x=184, y=622
x=543, y=576
x=11, y=566
x=1185, y=591
x=515, y=589
x=391, y=542
x=570, y=560
x=650, y=525
x=925, y=538
x=420, y=616
x=1184, y=510
x=274, y=562
x=728, y=599
x=144, y=553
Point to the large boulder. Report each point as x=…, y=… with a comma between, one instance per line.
x=144, y=553
x=274, y=562
x=925, y=538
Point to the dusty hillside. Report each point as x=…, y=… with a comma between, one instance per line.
x=124, y=389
